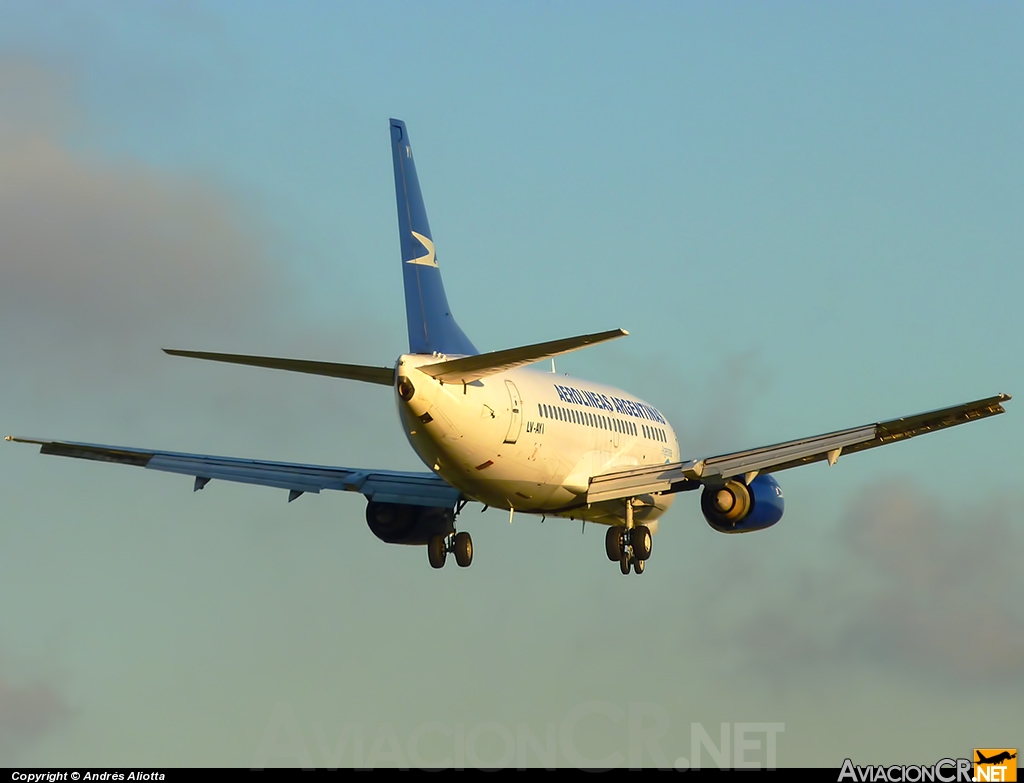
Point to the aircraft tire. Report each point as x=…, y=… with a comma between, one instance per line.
x=638, y=566
x=613, y=542
x=437, y=551
x=624, y=562
x=640, y=538
x=463, y=549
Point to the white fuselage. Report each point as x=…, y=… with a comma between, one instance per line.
x=530, y=440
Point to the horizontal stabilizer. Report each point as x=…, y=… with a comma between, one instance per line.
x=385, y=376
x=471, y=368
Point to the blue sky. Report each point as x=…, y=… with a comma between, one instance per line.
x=806, y=215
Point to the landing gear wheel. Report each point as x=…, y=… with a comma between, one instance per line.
x=463, y=549
x=640, y=539
x=638, y=566
x=624, y=562
x=437, y=551
x=614, y=541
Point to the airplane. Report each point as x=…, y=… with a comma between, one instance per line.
x=996, y=759
x=493, y=429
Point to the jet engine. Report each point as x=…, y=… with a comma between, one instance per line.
x=736, y=507
x=399, y=523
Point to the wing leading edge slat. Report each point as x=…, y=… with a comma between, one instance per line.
x=782, y=456
x=385, y=486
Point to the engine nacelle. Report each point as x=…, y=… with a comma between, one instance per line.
x=399, y=523
x=739, y=508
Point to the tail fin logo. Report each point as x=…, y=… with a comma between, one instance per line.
x=429, y=259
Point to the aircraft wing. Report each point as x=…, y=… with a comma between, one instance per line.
x=656, y=479
x=383, y=486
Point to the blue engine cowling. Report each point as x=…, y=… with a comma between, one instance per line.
x=400, y=523
x=738, y=508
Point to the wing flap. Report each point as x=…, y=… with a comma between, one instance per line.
x=782, y=456
x=471, y=368
x=385, y=376
x=386, y=486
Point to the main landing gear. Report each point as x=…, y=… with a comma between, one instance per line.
x=629, y=544
x=459, y=544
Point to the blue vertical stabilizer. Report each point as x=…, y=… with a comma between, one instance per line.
x=431, y=325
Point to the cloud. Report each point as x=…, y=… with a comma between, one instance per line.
x=943, y=579
x=711, y=409
x=28, y=713
x=910, y=583
x=113, y=254
x=33, y=100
